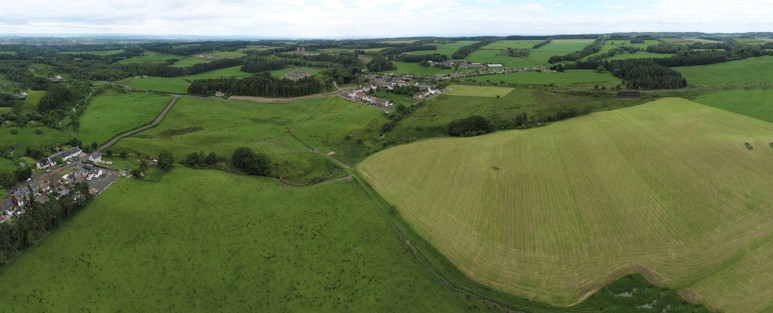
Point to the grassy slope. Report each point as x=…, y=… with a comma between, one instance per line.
x=751, y=70
x=552, y=213
x=26, y=136
x=750, y=102
x=32, y=100
x=477, y=91
x=207, y=241
x=567, y=78
x=221, y=126
x=111, y=114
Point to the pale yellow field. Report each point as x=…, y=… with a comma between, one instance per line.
x=553, y=213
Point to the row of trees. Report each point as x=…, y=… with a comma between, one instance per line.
x=542, y=44
x=39, y=219
x=465, y=51
x=435, y=57
x=516, y=53
x=592, y=48
x=259, y=85
x=469, y=126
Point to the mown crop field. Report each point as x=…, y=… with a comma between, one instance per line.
x=208, y=241
x=585, y=78
x=750, y=102
x=476, y=91
x=751, y=70
x=447, y=49
x=557, y=47
x=222, y=126
x=111, y=114
x=552, y=213
x=416, y=69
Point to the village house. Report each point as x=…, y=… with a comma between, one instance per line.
x=64, y=155
x=95, y=157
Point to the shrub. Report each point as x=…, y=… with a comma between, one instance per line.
x=469, y=126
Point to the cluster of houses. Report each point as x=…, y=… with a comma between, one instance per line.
x=481, y=65
x=48, y=185
x=388, y=82
x=499, y=70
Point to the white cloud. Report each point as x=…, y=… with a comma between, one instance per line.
x=378, y=18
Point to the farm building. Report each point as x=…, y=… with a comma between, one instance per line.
x=494, y=65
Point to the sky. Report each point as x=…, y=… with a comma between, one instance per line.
x=339, y=19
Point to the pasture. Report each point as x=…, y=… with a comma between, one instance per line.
x=553, y=213
x=490, y=53
x=416, y=69
x=288, y=132
x=557, y=47
x=27, y=137
x=476, y=91
x=431, y=118
x=150, y=57
x=111, y=114
x=189, y=62
x=750, y=102
x=175, y=85
x=179, y=85
x=283, y=72
x=447, y=49
x=746, y=71
x=32, y=100
x=575, y=78
x=96, y=52
x=209, y=241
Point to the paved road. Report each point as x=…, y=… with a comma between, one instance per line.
x=152, y=124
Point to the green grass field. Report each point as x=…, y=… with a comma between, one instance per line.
x=26, y=136
x=175, y=85
x=750, y=102
x=490, y=53
x=431, y=118
x=416, y=69
x=638, y=55
x=189, y=61
x=476, y=91
x=221, y=126
x=557, y=47
x=553, y=213
x=283, y=72
x=751, y=70
x=96, y=52
x=32, y=100
x=222, y=55
x=179, y=85
x=578, y=78
x=112, y=114
x=150, y=57
x=208, y=241
x=447, y=49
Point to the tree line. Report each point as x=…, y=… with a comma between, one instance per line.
x=40, y=219
x=259, y=85
x=465, y=51
x=592, y=48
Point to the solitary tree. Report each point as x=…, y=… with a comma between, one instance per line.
x=165, y=160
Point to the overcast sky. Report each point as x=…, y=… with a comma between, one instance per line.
x=379, y=18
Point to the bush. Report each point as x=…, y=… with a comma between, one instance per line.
x=469, y=126
x=252, y=163
x=14, y=131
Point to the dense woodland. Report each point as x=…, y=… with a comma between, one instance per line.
x=259, y=85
